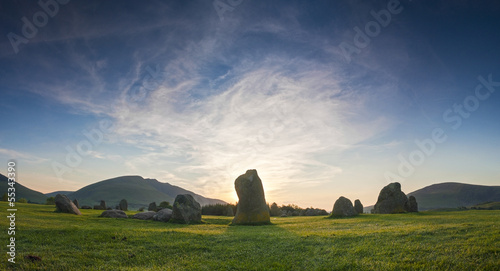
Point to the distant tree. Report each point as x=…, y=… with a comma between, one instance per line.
x=274, y=209
x=217, y=209
x=5, y=197
x=166, y=204
x=22, y=200
x=50, y=201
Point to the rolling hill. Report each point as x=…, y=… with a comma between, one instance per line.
x=22, y=191
x=138, y=192
x=454, y=195
x=53, y=194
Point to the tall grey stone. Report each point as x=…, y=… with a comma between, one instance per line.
x=186, y=210
x=358, y=206
x=123, y=205
x=343, y=207
x=391, y=200
x=252, y=207
x=413, y=205
x=65, y=205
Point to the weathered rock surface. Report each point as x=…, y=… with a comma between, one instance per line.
x=186, y=210
x=145, y=215
x=114, y=214
x=343, y=207
x=391, y=200
x=101, y=206
x=358, y=206
x=164, y=215
x=413, y=205
x=65, y=205
x=123, y=205
x=252, y=207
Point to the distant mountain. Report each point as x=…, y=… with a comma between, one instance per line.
x=53, y=194
x=22, y=191
x=138, y=192
x=453, y=195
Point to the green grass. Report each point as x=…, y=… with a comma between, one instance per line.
x=467, y=240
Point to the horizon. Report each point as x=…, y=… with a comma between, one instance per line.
x=324, y=100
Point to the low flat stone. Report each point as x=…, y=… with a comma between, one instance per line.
x=144, y=215
x=114, y=214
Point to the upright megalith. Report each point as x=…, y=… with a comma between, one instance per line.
x=358, y=206
x=413, y=205
x=343, y=208
x=391, y=200
x=123, y=205
x=186, y=210
x=252, y=207
x=101, y=206
x=65, y=205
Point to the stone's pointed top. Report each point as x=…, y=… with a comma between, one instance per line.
x=252, y=207
x=395, y=186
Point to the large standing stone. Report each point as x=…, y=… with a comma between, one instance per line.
x=343, y=207
x=65, y=205
x=114, y=214
x=252, y=207
x=186, y=210
x=391, y=200
x=152, y=206
x=101, y=206
x=358, y=206
x=412, y=203
x=164, y=215
x=123, y=205
x=145, y=215
x=77, y=204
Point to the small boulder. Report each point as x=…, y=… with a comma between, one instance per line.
x=391, y=200
x=65, y=205
x=164, y=215
x=358, y=206
x=86, y=207
x=145, y=215
x=114, y=214
x=152, y=207
x=252, y=208
x=343, y=208
x=413, y=205
x=76, y=203
x=123, y=205
x=186, y=210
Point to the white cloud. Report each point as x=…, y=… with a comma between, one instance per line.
x=268, y=118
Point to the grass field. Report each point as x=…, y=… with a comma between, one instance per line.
x=461, y=240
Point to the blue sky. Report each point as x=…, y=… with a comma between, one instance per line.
x=195, y=93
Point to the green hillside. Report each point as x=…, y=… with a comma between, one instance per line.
x=487, y=206
x=453, y=195
x=138, y=192
x=22, y=191
x=53, y=194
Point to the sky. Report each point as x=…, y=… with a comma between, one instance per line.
x=324, y=98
